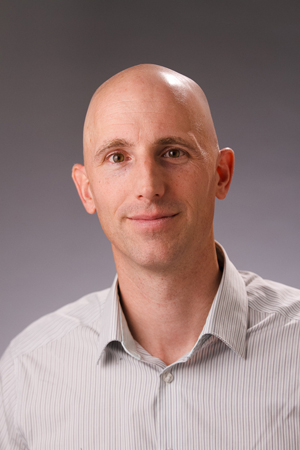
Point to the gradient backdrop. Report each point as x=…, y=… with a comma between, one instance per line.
x=54, y=54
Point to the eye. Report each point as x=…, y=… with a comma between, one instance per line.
x=117, y=157
x=173, y=153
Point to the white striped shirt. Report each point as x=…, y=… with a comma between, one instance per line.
x=77, y=380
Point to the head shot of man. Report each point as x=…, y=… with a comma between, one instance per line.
x=183, y=351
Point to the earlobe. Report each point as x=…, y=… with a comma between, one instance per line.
x=225, y=169
x=82, y=184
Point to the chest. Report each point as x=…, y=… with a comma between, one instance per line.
x=122, y=403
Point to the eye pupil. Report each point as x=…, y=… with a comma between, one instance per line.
x=118, y=157
x=174, y=153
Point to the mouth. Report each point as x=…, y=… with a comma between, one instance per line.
x=152, y=222
x=152, y=217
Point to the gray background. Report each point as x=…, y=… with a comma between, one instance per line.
x=54, y=54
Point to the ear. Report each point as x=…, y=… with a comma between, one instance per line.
x=82, y=184
x=225, y=166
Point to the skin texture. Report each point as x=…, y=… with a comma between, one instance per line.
x=152, y=169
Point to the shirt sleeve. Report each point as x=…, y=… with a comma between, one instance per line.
x=10, y=438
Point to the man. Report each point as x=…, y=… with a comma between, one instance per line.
x=184, y=351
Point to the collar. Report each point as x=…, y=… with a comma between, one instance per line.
x=113, y=326
x=227, y=318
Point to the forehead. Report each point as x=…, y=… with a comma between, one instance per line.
x=145, y=110
x=141, y=111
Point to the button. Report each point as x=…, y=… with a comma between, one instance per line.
x=168, y=377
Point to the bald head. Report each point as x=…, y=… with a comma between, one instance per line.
x=150, y=148
x=150, y=83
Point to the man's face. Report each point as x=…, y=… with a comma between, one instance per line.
x=151, y=176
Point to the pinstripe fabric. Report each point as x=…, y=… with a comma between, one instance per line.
x=76, y=379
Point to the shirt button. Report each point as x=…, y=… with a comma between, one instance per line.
x=168, y=377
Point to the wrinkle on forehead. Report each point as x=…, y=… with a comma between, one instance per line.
x=148, y=82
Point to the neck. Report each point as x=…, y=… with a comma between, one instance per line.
x=166, y=312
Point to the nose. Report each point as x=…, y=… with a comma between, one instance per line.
x=149, y=181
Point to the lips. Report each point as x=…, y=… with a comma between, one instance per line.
x=157, y=222
x=151, y=217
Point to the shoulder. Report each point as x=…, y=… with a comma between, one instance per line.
x=58, y=324
x=271, y=297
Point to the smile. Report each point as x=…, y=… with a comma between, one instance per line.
x=151, y=217
x=154, y=221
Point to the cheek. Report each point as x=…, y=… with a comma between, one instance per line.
x=198, y=183
x=107, y=203
x=110, y=188
x=106, y=197
x=199, y=189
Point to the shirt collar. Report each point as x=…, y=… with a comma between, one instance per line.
x=113, y=326
x=228, y=315
x=227, y=318
x=109, y=325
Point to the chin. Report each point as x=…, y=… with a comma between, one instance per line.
x=158, y=258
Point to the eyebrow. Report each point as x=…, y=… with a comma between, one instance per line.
x=169, y=140
x=173, y=140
